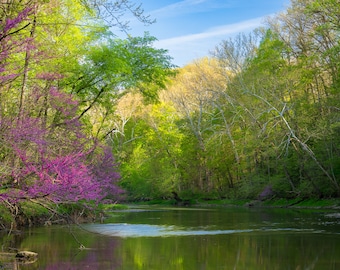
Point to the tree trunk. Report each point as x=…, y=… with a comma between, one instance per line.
x=26, y=65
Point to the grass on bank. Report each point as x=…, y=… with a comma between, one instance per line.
x=280, y=202
x=275, y=202
x=113, y=207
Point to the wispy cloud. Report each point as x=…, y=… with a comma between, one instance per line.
x=186, y=6
x=220, y=31
x=185, y=48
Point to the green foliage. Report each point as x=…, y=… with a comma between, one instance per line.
x=117, y=65
x=260, y=115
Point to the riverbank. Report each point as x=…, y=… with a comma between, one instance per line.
x=333, y=203
x=29, y=214
x=35, y=215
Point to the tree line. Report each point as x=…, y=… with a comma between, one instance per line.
x=258, y=118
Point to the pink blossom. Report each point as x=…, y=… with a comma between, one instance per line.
x=48, y=154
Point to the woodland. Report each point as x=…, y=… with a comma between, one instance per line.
x=87, y=117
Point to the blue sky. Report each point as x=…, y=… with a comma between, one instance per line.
x=189, y=29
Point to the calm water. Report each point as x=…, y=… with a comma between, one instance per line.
x=189, y=239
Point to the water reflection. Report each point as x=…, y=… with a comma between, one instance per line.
x=174, y=239
x=248, y=251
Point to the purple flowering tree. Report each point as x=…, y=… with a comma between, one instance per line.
x=54, y=160
x=44, y=154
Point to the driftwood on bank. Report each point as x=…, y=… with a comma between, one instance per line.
x=22, y=257
x=26, y=255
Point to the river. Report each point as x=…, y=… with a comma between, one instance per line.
x=212, y=238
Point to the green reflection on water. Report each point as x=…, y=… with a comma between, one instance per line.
x=259, y=251
x=210, y=239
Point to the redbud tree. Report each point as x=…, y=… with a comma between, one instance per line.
x=44, y=152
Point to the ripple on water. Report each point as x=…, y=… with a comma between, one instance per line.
x=147, y=230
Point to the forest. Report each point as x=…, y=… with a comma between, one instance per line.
x=89, y=117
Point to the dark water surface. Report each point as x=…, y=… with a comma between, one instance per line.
x=154, y=238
